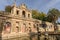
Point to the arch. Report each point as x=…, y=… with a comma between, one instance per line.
x=28, y=15
x=8, y=23
x=17, y=12
x=7, y=27
x=23, y=14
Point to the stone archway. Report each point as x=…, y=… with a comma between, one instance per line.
x=23, y=14
x=7, y=27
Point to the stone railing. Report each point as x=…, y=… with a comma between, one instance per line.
x=14, y=35
x=4, y=13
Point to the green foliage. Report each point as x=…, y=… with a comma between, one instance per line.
x=42, y=16
x=35, y=14
x=38, y=15
x=53, y=15
x=8, y=8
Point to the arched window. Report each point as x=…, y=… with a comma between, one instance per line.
x=17, y=12
x=23, y=13
x=28, y=15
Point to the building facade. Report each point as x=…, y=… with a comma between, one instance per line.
x=20, y=20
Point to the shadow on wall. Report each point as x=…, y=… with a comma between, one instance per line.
x=1, y=28
x=44, y=25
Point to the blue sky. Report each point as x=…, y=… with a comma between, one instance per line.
x=41, y=5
